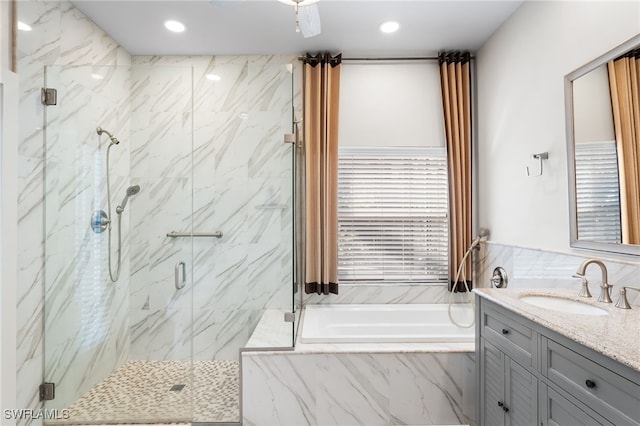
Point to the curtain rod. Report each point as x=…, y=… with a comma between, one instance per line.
x=410, y=58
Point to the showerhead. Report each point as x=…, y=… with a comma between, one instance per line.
x=132, y=190
x=114, y=140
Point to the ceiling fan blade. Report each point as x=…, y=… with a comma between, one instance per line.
x=309, y=20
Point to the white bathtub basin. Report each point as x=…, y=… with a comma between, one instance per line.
x=393, y=323
x=556, y=303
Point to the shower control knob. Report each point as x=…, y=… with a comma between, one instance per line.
x=99, y=221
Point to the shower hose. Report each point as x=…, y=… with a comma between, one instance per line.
x=473, y=245
x=114, y=276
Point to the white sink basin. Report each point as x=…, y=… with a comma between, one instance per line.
x=561, y=304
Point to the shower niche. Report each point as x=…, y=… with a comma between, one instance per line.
x=123, y=342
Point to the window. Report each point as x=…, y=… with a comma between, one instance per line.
x=393, y=214
x=598, y=192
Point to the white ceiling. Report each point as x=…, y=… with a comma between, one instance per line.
x=227, y=27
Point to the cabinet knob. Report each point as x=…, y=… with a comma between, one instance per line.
x=500, y=404
x=505, y=331
x=590, y=384
x=505, y=409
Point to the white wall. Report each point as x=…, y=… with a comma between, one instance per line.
x=391, y=104
x=592, y=111
x=521, y=112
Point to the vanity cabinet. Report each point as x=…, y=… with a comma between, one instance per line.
x=529, y=375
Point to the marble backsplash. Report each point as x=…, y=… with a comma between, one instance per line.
x=531, y=268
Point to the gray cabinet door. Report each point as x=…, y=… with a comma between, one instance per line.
x=492, y=377
x=521, y=395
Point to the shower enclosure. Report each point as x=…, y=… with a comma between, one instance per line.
x=206, y=233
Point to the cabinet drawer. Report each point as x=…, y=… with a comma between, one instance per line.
x=557, y=410
x=607, y=393
x=515, y=339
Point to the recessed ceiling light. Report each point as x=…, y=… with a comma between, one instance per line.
x=389, y=27
x=23, y=27
x=213, y=77
x=175, y=26
x=97, y=76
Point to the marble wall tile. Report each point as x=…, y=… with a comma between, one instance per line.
x=236, y=147
x=374, y=293
x=86, y=321
x=61, y=43
x=538, y=268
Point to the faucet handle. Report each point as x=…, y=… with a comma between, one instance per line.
x=584, y=291
x=622, y=302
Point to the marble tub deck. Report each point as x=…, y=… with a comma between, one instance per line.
x=140, y=392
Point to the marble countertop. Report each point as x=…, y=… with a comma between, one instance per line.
x=616, y=335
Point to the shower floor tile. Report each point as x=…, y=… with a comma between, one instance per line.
x=162, y=391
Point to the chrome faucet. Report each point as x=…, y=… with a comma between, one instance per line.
x=622, y=302
x=605, y=288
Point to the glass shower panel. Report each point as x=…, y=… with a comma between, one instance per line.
x=102, y=338
x=243, y=188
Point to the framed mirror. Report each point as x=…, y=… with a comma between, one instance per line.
x=602, y=104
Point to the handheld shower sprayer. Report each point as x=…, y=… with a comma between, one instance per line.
x=114, y=140
x=132, y=190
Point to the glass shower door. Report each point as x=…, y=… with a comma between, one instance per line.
x=119, y=307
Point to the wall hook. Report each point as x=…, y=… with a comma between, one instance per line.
x=541, y=156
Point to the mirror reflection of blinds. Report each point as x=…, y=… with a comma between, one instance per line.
x=598, y=192
x=392, y=214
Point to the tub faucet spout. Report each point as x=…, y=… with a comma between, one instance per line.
x=605, y=288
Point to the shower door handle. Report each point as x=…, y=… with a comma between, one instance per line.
x=180, y=266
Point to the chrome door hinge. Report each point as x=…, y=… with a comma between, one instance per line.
x=49, y=96
x=289, y=317
x=47, y=391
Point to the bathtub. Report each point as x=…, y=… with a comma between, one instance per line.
x=372, y=323
x=399, y=364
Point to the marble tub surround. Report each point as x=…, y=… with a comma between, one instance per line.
x=615, y=335
x=340, y=388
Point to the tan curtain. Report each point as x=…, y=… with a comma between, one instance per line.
x=321, y=93
x=456, y=101
x=624, y=79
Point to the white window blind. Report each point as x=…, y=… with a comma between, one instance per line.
x=598, y=192
x=392, y=215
